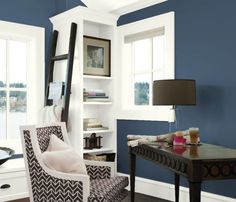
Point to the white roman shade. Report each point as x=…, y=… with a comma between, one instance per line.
x=144, y=35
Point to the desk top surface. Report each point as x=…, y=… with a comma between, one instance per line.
x=199, y=152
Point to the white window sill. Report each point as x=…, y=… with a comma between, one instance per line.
x=146, y=114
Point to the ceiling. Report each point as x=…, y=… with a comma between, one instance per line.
x=119, y=7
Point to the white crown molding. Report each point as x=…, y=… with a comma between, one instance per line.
x=120, y=7
x=136, y=6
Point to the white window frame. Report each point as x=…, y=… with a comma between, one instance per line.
x=129, y=111
x=35, y=38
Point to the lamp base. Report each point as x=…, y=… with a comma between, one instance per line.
x=174, y=119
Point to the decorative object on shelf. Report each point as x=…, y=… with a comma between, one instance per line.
x=93, y=142
x=108, y=157
x=96, y=56
x=93, y=157
x=5, y=154
x=174, y=92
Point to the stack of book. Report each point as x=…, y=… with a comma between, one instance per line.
x=91, y=124
x=95, y=95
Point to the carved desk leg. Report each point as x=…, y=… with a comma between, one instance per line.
x=176, y=187
x=195, y=191
x=132, y=175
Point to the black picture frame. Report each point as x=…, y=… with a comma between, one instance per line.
x=97, y=56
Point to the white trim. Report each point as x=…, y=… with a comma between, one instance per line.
x=74, y=15
x=136, y=6
x=120, y=7
x=35, y=74
x=34, y=36
x=148, y=112
x=167, y=191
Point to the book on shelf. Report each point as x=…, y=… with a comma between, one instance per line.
x=90, y=120
x=97, y=100
x=98, y=128
x=92, y=125
x=95, y=95
x=92, y=91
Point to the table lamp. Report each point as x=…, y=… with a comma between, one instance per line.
x=174, y=92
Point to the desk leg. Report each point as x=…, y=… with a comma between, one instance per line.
x=195, y=191
x=176, y=187
x=132, y=176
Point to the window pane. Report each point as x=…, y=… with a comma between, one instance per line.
x=141, y=89
x=17, y=64
x=3, y=131
x=2, y=63
x=158, y=52
x=17, y=115
x=142, y=55
x=17, y=101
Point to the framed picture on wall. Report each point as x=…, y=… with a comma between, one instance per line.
x=97, y=54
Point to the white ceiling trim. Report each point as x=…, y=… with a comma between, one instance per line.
x=120, y=7
x=136, y=6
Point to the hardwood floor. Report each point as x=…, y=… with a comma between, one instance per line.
x=138, y=198
x=144, y=198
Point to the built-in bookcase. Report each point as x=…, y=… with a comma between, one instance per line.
x=99, y=25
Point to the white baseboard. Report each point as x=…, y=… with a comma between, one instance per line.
x=167, y=191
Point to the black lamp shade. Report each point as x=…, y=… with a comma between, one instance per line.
x=174, y=92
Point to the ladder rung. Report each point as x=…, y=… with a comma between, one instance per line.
x=60, y=57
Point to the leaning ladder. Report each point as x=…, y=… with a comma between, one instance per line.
x=70, y=60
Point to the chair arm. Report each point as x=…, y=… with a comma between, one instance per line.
x=100, y=169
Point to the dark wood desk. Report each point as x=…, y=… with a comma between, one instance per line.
x=196, y=163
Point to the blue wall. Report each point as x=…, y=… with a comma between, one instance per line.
x=35, y=12
x=205, y=50
x=30, y=12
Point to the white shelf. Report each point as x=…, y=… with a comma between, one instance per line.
x=97, y=103
x=97, y=77
x=97, y=131
x=97, y=150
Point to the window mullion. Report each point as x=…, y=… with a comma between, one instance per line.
x=7, y=90
x=151, y=71
x=132, y=74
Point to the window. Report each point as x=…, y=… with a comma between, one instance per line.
x=21, y=79
x=147, y=54
x=13, y=87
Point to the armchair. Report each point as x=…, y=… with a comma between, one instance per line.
x=46, y=185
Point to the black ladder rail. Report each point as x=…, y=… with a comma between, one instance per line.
x=48, y=102
x=70, y=58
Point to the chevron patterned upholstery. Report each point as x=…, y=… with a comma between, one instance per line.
x=98, y=172
x=47, y=187
x=108, y=190
x=43, y=135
